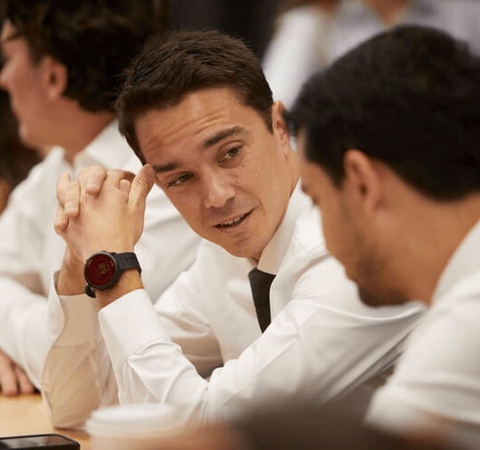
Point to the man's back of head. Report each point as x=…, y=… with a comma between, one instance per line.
x=94, y=39
x=390, y=144
x=410, y=98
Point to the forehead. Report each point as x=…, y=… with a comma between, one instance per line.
x=9, y=33
x=195, y=119
x=12, y=42
x=221, y=103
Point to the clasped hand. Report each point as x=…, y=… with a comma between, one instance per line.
x=102, y=210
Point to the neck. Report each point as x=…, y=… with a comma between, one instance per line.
x=432, y=242
x=387, y=10
x=295, y=170
x=83, y=130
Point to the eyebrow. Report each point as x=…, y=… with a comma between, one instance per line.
x=215, y=139
x=210, y=142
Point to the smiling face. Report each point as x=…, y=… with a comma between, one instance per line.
x=25, y=83
x=225, y=172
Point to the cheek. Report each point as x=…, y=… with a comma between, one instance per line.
x=330, y=228
x=9, y=80
x=15, y=75
x=187, y=205
x=339, y=239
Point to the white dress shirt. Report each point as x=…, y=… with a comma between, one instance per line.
x=437, y=380
x=307, y=40
x=200, y=345
x=31, y=251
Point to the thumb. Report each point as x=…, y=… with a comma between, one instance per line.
x=142, y=184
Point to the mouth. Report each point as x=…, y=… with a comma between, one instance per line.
x=234, y=222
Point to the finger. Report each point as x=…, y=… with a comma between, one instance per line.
x=8, y=381
x=8, y=385
x=72, y=200
x=118, y=177
x=125, y=186
x=25, y=386
x=142, y=184
x=92, y=179
x=61, y=220
x=62, y=184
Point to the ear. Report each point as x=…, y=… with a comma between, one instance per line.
x=55, y=77
x=364, y=179
x=279, y=124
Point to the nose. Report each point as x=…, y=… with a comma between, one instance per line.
x=2, y=77
x=217, y=190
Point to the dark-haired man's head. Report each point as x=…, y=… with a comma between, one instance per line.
x=390, y=137
x=197, y=107
x=74, y=49
x=175, y=65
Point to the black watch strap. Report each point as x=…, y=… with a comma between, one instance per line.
x=127, y=260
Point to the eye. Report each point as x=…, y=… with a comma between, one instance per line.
x=182, y=179
x=231, y=154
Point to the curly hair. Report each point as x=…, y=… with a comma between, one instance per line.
x=94, y=39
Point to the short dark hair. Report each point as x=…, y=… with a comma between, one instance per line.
x=409, y=97
x=182, y=62
x=94, y=39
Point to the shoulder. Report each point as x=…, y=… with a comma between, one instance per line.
x=42, y=180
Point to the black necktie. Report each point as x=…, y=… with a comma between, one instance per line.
x=260, y=285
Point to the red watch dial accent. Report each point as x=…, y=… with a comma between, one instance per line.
x=100, y=270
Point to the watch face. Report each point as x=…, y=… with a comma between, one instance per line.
x=100, y=270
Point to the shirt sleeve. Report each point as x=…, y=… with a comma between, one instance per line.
x=77, y=376
x=78, y=361
x=23, y=319
x=22, y=293
x=436, y=383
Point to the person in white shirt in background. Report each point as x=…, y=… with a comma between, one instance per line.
x=223, y=157
x=62, y=68
x=390, y=143
x=310, y=35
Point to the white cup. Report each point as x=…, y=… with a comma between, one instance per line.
x=133, y=426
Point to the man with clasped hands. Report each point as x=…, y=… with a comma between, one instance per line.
x=196, y=108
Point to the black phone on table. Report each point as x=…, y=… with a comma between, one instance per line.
x=39, y=441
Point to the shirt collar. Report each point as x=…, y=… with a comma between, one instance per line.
x=465, y=260
x=274, y=252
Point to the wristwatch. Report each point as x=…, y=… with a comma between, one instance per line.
x=103, y=269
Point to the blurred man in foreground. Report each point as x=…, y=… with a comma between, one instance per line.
x=390, y=145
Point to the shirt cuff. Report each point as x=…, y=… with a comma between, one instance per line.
x=129, y=324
